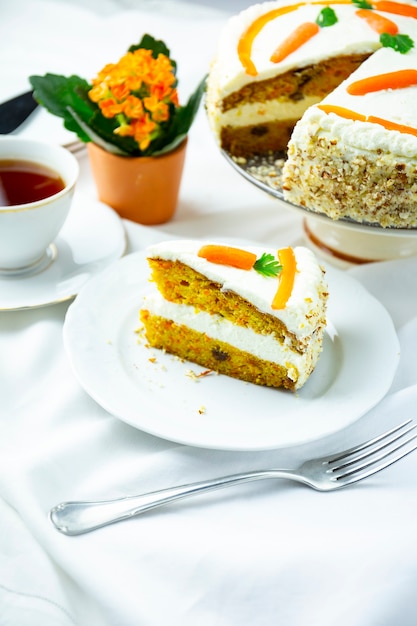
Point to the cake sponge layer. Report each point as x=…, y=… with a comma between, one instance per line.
x=181, y=284
x=213, y=354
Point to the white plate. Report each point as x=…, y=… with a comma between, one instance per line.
x=92, y=238
x=151, y=390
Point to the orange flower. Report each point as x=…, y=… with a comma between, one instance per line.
x=174, y=98
x=120, y=92
x=98, y=92
x=143, y=128
x=159, y=110
x=133, y=107
x=110, y=108
x=130, y=107
x=133, y=83
x=136, y=92
x=125, y=130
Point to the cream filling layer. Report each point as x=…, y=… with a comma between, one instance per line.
x=254, y=113
x=264, y=347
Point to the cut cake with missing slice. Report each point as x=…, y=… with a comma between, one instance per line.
x=333, y=85
x=207, y=308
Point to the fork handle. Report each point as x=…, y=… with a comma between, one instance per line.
x=76, y=518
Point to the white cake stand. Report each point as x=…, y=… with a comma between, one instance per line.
x=342, y=242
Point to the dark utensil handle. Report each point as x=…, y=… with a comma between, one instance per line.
x=15, y=111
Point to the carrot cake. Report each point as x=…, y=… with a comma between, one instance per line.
x=347, y=69
x=254, y=314
x=276, y=59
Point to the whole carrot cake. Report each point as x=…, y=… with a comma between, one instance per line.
x=254, y=314
x=354, y=152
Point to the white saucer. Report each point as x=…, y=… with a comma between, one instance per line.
x=92, y=238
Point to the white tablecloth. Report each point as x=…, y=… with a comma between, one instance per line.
x=270, y=554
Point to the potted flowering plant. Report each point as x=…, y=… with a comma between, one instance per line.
x=129, y=116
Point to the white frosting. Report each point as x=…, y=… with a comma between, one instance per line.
x=394, y=105
x=303, y=307
x=264, y=347
x=356, y=137
x=350, y=34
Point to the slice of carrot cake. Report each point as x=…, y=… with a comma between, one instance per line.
x=355, y=154
x=255, y=314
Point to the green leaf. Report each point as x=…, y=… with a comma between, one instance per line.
x=267, y=265
x=150, y=43
x=400, y=43
x=95, y=138
x=326, y=17
x=362, y=4
x=59, y=93
x=183, y=120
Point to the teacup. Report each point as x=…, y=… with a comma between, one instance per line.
x=30, y=223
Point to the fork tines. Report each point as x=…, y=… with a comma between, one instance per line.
x=368, y=458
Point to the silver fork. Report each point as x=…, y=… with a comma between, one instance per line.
x=77, y=146
x=323, y=474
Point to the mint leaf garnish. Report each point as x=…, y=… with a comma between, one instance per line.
x=267, y=265
x=362, y=4
x=326, y=17
x=400, y=43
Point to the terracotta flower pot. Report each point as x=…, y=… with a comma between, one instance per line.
x=141, y=189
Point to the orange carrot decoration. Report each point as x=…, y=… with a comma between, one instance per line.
x=244, y=48
x=303, y=33
x=408, y=130
x=378, y=23
x=397, y=8
x=352, y=115
x=287, y=276
x=246, y=41
x=342, y=112
x=226, y=255
x=391, y=80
